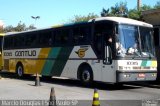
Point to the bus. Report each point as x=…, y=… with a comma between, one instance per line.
x=81, y=51
x=1, y=56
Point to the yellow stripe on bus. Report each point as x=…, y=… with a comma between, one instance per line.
x=42, y=59
x=154, y=64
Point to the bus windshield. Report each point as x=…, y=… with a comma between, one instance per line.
x=135, y=41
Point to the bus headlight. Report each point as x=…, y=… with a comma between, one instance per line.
x=126, y=75
x=153, y=68
x=154, y=74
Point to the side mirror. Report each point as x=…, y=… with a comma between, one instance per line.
x=108, y=55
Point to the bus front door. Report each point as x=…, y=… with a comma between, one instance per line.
x=108, y=66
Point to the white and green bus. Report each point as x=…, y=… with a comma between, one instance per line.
x=82, y=51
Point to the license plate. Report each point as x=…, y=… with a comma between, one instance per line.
x=139, y=79
x=142, y=75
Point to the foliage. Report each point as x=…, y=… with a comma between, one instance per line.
x=79, y=18
x=134, y=14
x=20, y=27
x=146, y=7
x=119, y=10
x=105, y=12
x=157, y=5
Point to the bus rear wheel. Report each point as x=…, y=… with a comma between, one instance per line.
x=86, y=76
x=19, y=70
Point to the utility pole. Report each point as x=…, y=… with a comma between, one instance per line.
x=138, y=5
x=35, y=18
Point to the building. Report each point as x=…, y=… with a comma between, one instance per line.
x=153, y=17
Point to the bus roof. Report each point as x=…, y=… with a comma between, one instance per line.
x=122, y=20
x=33, y=30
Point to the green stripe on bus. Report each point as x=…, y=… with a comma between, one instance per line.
x=50, y=62
x=144, y=63
x=61, y=61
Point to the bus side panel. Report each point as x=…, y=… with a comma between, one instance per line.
x=56, y=60
x=32, y=60
x=6, y=64
x=12, y=65
x=41, y=60
x=79, y=55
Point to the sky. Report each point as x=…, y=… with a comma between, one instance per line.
x=53, y=12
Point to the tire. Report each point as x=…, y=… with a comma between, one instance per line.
x=86, y=76
x=46, y=77
x=19, y=70
x=118, y=84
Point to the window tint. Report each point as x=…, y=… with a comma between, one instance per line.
x=45, y=38
x=8, y=42
x=19, y=41
x=81, y=35
x=62, y=37
x=102, y=33
x=30, y=40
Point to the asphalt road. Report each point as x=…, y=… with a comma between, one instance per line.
x=71, y=93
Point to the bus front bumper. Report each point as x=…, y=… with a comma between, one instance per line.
x=122, y=76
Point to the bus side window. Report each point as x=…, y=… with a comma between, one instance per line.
x=98, y=44
x=19, y=41
x=81, y=35
x=33, y=40
x=45, y=38
x=62, y=37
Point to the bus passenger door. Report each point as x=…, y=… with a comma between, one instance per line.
x=108, y=73
x=100, y=47
x=102, y=29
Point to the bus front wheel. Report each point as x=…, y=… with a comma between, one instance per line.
x=86, y=76
x=19, y=70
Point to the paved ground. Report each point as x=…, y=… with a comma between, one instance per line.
x=133, y=94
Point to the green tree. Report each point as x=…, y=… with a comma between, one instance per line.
x=20, y=27
x=136, y=14
x=31, y=27
x=79, y=18
x=120, y=9
x=157, y=5
x=9, y=28
x=105, y=12
x=146, y=7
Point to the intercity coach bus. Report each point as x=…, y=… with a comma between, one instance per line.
x=83, y=51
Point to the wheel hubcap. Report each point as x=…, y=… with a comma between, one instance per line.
x=86, y=75
x=20, y=71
